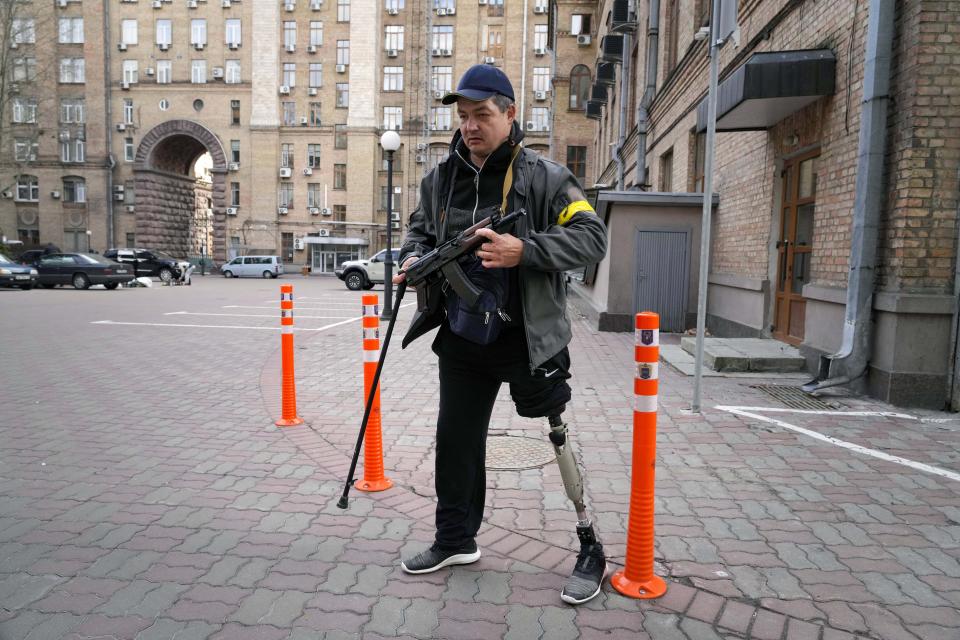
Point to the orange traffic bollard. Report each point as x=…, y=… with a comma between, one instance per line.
x=637, y=579
x=373, y=478
x=289, y=412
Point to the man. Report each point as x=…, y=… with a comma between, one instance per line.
x=488, y=171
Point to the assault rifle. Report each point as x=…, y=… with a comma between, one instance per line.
x=430, y=268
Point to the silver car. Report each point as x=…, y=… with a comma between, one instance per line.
x=253, y=266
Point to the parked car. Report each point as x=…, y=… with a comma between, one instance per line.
x=81, y=270
x=13, y=274
x=253, y=266
x=363, y=274
x=149, y=262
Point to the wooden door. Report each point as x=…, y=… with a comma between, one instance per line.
x=795, y=246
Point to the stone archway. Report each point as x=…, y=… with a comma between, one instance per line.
x=165, y=187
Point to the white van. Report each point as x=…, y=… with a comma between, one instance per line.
x=253, y=266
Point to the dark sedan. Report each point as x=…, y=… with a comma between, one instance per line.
x=81, y=270
x=13, y=274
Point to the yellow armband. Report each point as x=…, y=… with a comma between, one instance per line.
x=572, y=209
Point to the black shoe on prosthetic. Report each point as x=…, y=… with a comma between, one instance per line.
x=589, y=571
x=436, y=558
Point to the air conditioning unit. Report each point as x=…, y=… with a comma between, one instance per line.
x=62, y=3
x=437, y=95
x=199, y=45
x=291, y=48
x=446, y=52
x=393, y=11
x=421, y=158
x=531, y=125
x=539, y=9
x=451, y=11
x=289, y=6
x=341, y=68
x=315, y=5
x=395, y=216
x=298, y=244
x=7, y=194
x=119, y=188
x=539, y=52
x=149, y=71
x=125, y=86
x=312, y=91
x=225, y=4
x=314, y=211
x=421, y=146
x=398, y=189
x=121, y=126
x=157, y=4
x=218, y=72
x=489, y=60
x=231, y=211
x=233, y=46
x=325, y=211
x=303, y=122
x=483, y=3
x=539, y=95
x=131, y=208
x=312, y=48
x=164, y=46
x=233, y=166
x=14, y=45
x=441, y=12
x=55, y=195
x=437, y=52
x=191, y=4
x=283, y=211
x=122, y=46
x=323, y=233
x=391, y=53
x=284, y=90
x=286, y=172
x=118, y=197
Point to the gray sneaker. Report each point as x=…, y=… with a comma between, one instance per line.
x=587, y=576
x=436, y=558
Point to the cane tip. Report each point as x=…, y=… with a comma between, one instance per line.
x=342, y=502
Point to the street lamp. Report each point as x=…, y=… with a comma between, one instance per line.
x=390, y=141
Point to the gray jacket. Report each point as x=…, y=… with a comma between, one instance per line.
x=560, y=232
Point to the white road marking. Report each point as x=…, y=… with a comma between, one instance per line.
x=750, y=412
x=888, y=414
x=246, y=315
x=220, y=326
x=245, y=306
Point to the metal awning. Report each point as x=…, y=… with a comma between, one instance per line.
x=770, y=86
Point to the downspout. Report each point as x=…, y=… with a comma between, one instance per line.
x=624, y=93
x=523, y=64
x=850, y=362
x=649, y=92
x=111, y=162
x=953, y=399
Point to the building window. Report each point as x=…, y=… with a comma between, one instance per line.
x=315, y=114
x=343, y=95
x=441, y=79
x=577, y=162
x=290, y=74
x=316, y=75
x=313, y=156
x=23, y=30
x=71, y=149
x=234, y=112
x=316, y=33
x=129, y=33
x=164, y=71
x=343, y=10
x=74, y=190
x=233, y=72
x=25, y=149
x=285, y=195
x=579, y=87
x=24, y=110
x=540, y=118
x=699, y=161
x=495, y=43
x=495, y=8
x=440, y=118
x=234, y=151
x=343, y=52
x=72, y=70
x=233, y=32
x=540, y=36
x=397, y=166
x=666, y=172
x=286, y=155
x=128, y=152
x=164, y=32
x=396, y=5
x=198, y=71
x=28, y=189
x=290, y=33
x=234, y=194
x=673, y=33
x=71, y=31
x=339, y=213
x=442, y=37
x=314, y=195
x=339, y=136
x=393, y=118
x=130, y=72
x=72, y=111
x=131, y=240
x=394, y=37
x=541, y=78
x=393, y=78
x=580, y=24
x=198, y=32
x=339, y=176
x=24, y=69
x=289, y=113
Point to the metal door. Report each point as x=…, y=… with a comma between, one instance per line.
x=662, y=276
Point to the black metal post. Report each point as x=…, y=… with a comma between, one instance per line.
x=388, y=263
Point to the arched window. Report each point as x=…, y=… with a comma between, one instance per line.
x=28, y=189
x=579, y=87
x=74, y=189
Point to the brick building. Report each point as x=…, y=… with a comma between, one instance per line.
x=283, y=104
x=835, y=227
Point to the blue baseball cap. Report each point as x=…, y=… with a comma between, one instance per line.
x=481, y=81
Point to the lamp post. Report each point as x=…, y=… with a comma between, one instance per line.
x=390, y=141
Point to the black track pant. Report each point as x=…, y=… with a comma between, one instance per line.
x=470, y=377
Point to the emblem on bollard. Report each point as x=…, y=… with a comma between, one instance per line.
x=646, y=336
x=645, y=371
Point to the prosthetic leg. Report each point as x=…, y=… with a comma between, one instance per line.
x=591, y=565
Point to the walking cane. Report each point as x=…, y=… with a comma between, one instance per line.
x=401, y=288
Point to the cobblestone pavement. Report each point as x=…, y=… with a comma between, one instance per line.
x=145, y=493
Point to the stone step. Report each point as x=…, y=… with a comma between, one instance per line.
x=746, y=354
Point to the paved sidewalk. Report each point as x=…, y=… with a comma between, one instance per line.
x=128, y=513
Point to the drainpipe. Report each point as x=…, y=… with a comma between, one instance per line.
x=850, y=362
x=649, y=92
x=523, y=64
x=953, y=399
x=111, y=163
x=624, y=93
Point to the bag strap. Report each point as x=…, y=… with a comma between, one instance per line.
x=508, y=180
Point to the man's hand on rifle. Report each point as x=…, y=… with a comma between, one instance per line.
x=499, y=249
x=400, y=277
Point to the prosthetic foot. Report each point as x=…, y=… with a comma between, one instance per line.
x=587, y=578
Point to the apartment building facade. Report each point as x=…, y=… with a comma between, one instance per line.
x=232, y=126
x=836, y=173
